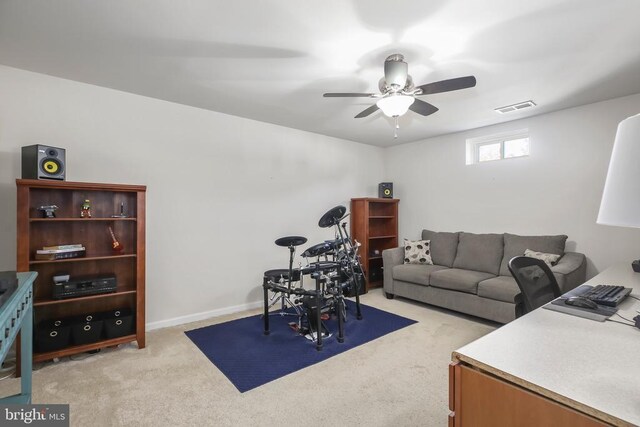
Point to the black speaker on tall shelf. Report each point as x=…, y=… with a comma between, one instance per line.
x=385, y=190
x=43, y=162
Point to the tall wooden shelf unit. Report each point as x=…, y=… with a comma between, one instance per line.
x=374, y=223
x=67, y=227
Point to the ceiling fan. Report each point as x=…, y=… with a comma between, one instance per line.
x=398, y=93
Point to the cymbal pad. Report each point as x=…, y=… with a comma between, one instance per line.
x=291, y=241
x=332, y=217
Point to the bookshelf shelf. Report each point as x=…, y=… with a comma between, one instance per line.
x=41, y=302
x=82, y=259
x=79, y=219
x=40, y=357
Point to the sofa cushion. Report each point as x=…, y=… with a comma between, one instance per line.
x=443, y=246
x=515, y=245
x=417, y=252
x=479, y=252
x=458, y=280
x=501, y=288
x=415, y=273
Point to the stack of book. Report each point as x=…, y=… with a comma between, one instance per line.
x=51, y=253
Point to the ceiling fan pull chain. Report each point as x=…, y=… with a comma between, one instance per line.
x=395, y=130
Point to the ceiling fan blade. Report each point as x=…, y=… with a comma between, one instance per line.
x=448, y=85
x=422, y=107
x=348, y=95
x=368, y=111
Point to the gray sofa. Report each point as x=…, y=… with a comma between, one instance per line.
x=470, y=272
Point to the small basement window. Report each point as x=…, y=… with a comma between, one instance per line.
x=498, y=147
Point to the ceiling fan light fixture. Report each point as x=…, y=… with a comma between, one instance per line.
x=395, y=105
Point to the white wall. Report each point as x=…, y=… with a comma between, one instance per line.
x=221, y=188
x=556, y=190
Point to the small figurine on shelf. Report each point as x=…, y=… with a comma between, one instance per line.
x=85, y=211
x=48, y=211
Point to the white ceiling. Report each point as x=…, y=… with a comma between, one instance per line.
x=273, y=60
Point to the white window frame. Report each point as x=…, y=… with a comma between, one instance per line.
x=474, y=144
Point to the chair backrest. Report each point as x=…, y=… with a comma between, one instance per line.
x=537, y=283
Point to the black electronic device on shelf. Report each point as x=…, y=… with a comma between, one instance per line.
x=43, y=162
x=84, y=286
x=385, y=190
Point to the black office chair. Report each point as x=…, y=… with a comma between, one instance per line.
x=537, y=283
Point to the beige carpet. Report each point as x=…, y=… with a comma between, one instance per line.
x=400, y=379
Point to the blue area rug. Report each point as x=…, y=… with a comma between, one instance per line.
x=250, y=359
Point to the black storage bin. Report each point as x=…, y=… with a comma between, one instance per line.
x=86, y=329
x=118, y=323
x=52, y=335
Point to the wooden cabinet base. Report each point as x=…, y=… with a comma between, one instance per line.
x=478, y=399
x=68, y=351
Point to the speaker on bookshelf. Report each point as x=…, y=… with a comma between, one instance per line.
x=385, y=190
x=43, y=162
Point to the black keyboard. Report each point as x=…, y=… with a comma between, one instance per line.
x=609, y=295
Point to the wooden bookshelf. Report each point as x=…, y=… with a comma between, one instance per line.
x=374, y=223
x=35, y=232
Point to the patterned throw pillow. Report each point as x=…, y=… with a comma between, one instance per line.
x=549, y=259
x=417, y=252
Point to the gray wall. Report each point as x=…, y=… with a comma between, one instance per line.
x=221, y=188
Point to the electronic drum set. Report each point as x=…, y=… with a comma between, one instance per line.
x=335, y=267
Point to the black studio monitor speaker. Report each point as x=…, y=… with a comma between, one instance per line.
x=385, y=190
x=43, y=162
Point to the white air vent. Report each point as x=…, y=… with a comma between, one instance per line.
x=515, y=107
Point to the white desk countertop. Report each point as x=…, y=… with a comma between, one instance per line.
x=589, y=365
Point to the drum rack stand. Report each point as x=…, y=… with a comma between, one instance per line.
x=328, y=290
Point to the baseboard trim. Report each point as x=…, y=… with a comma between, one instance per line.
x=202, y=316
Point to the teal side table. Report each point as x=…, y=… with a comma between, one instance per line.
x=16, y=315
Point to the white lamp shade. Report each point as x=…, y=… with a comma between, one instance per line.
x=620, y=203
x=395, y=105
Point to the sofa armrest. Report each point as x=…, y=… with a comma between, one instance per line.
x=391, y=258
x=571, y=270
